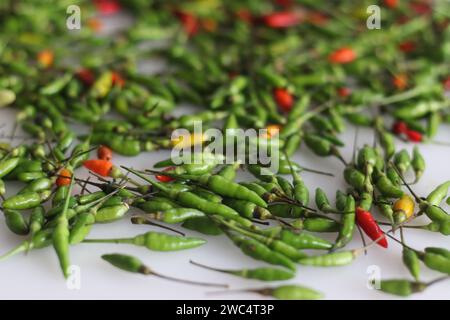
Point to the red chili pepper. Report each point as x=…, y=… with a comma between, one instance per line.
x=368, y=224
x=399, y=127
x=342, y=55
x=281, y=19
x=104, y=153
x=283, y=98
x=107, y=7
x=446, y=83
x=117, y=79
x=163, y=178
x=100, y=167
x=414, y=136
x=86, y=76
x=407, y=46
x=344, y=92
x=189, y=21
x=391, y=3
x=64, y=177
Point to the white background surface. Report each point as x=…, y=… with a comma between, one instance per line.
x=37, y=275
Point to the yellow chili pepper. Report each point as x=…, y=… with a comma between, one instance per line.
x=403, y=208
x=272, y=130
x=185, y=141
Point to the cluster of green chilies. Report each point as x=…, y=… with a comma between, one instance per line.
x=245, y=63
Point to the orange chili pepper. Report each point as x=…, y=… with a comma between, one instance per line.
x=64, y=177
x=400, y=81
x=342, y=56
x=117, y=79
x=391, y=3
x=45, y=58
x=272, y=130
x=283, y=98
x=95, y=24
x=104, y=153
x=100, y=167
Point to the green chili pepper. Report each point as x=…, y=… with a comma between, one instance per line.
x=203, y=225
x=157, y=204
x=304, y=240
x=418, y=164
x=434, y=121
x=402, y=161
x=388, y=189
x=411, y=261
x=288, y=292
x=322, y=202
x=61, y=235
x=8, y=165
x=176, y=215
x=341, y=200
x=26, y=201
x=402, y=288
x=354, y=177
x=155, y=241
x=248, y=209
x=330, y=259
x=259, y=251
x=39, y=185
x=16, y=222
x=438, y=194
x=263, y=274
x=419, y=110
x=320, y=225
x=37, y=219
x=134, y=265
x=40, y=240
x=347, y=224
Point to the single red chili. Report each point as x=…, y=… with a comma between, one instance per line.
x=344, y=92
x=107, y=7
x=283, y=98
x=399, y=127
x=64, y=177
x=104, y=153
x=189, y=22
x=368, y=224
x=407, y=46
x=163, y=178
x=281, y=19
x=414, y=136
x=100, y=167
x=86, y=76
x=342, y=56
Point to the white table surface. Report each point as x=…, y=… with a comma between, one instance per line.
x=37, y=274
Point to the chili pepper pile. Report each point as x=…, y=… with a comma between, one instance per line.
x=302, y=71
